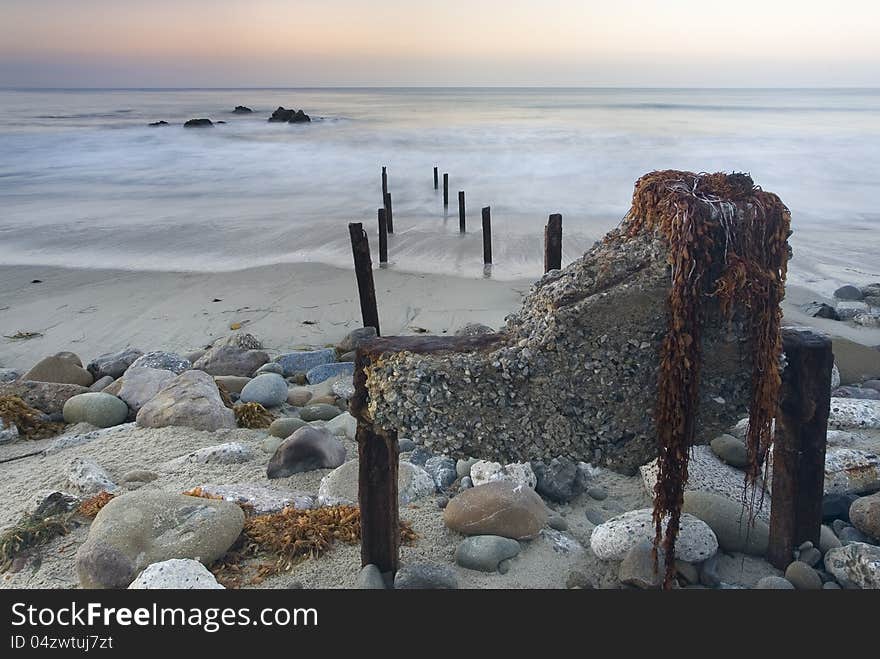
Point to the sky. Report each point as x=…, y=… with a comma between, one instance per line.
x=291, y=43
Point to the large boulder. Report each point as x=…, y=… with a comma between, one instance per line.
x=140, y=384
x=176, y=574
x=98, y=409
x=729, y=521
x=48, y=397
x=301, y=361
x=498, y=508
x=851, y=471
x=268, y=389
x=340, y=486
x=865, y=515
x=306, y=449
x=191, y=399
x=611, y=540
x=169, y=361
x=335, y=370
x=143, y=527
x=856, y=565
x=243, y=340
x=113, y=364
x=231, y=360
x=847, y=413
x=60, y=369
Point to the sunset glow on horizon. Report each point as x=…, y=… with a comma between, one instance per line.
x=104, y=43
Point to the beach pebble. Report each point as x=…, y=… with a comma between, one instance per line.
x=485, y=552
x=831, y=585
x=466, y=483
x=8, y=432
x=306, y=449
x=334, y=370
x=100, y=385
x=405, y=445
x=850, y=534
x=820, y=310
x=688, y=572
x=827, y=539
x=637, y=567
x=87, y=477
x=139, y=476
x=242, y=340
x=855, y=565
x=848, y=292
x=343, y=388
x=424, y=576
x=521, y=473
x=497, y=508
x=729, y=522
x=420, y=455
x=270, y=367
x=231, y=360
x=319, y=412
x=176, y=574
x=9, y=375
x=355, y=338
x=340, y=486
x=298, y=396
x=268, y=389
x=113, y=364
x=803, y=577
x=262, y=499
x=343, y=425
x=442, y=470
x=810, y=556
x=370, y=578
x=774, y=583
x=611, y=540
x=597, y=515
x=232, y=383
x=60, y=370
x=192, y=400
x=709, y=576
x=836, y=506
x=98, y=409
x=143, y=527
x=559, y=480
x=557, y=522
x=853, y=413
x=286, y=426
x=578, y=580
x=227, y=453
x=598, y=493
x=463, y=466
x=169, y=361
x=140, y=384
x=474, y=329
x=851, y=471
x=864, y=514
x=731, y=450
x=302, y=361
x=835, y=376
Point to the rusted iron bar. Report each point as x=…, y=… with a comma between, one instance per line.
x=553, y=243
x=383, y=237
x=445, y=189
x=435, y=178
x=799, y=444
x=363, y=268
x=384, y=182
x=461, y=222
x=487, y=236
x=389, y=217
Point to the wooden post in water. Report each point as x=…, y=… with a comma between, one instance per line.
x=363, y=268
x=487, y=236
x=799, y=445
x=383, y=237
x=384, y=182
x=389, y=217
x=553, y=243
x=445, y=189
x=435, y=178
x=461, y=227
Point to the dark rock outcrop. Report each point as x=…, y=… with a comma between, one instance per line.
x=241, y=109
x=289, y=116
x=198, y=123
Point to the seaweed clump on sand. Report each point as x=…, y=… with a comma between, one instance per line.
x=92, y=506
x=52, y=518
x=29, y=421
x=253, y=416
x=288, y=537
x=727, y=241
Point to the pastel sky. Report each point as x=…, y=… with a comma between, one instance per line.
x=253, y=43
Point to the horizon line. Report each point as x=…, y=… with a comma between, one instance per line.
x=447, y=87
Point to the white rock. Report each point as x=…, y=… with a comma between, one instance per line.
x=612, y=540
x=851, y=471
x=856, y=565
x=854, y=413
x=263, y=499
x=835, y=377
x=228, y=453
x=340, y=486
x=8, y=433
x=88, y=477
x=176, y=573
x=344, y=425
x=141, y=384
x=483, y=472
x=562, y=542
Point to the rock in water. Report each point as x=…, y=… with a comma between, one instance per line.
x=611, y=540
x=143, y=527
x=242, y=109
x=289, y=116
x=497, y=508
x=48, y=397
x=231, y=360
x=306, y=449
x=198, y=123
x=169, y=361
x=423, y=576
x=340, y=486
x=141, y=384
x=268, y=389
x=176, y=574
x=729, y=522
x=99, y=409
x=485, y=552
x=113, y=364
x=191, y=399
x=865, y=515
x=60, y=370
x=856, y=565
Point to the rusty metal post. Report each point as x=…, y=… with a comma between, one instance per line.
x=363, y=268
x=553, y=243
x=799, y=445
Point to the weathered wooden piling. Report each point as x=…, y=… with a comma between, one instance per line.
x=799, y=444
x=461, y=217
x=383, y=237
x=384, y=182
x=553, y=243
x=487, y=236
x=435, y=179
x=445, y=189
x=363, y=268
x=389, y=217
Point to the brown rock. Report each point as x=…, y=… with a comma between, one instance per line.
x=232, y=383
x=192, y=400
x=231, y=360
x=497, y=508
x=306, y=449
x=61, y=368
x=48, y=397
x=864, y=513
x=299, y=396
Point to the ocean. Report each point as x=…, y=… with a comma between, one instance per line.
x=85, y=182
